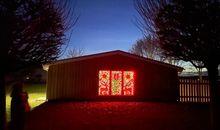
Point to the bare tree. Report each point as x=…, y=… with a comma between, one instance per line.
x=74, y=52
x=149, y=47
x=189, y=30
x=137, y=48
x=148, y=10
x=32, y=32
x=199, y=67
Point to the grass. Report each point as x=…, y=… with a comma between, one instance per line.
x=118, y=116
x=36, y=93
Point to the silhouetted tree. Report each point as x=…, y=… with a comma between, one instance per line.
x=149, y=47
x=75, y=52
x=199, y=67
x=148, y=10
x=189, y=30
x=31, y=33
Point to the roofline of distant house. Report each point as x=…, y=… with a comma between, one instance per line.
x=91, y=56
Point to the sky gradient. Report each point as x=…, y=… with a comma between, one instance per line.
x=104, y=25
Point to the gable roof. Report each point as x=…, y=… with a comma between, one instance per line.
x=109, y=53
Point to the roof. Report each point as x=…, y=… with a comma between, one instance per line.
x=109, y=53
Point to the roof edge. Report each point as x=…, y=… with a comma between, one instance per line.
x=90, y=56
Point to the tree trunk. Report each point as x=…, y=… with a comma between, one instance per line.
x=200, y=74
x=2, y=103
x=215, y=96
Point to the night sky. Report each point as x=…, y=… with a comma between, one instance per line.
x=104, y=25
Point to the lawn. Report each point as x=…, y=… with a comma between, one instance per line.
x=110, y=115
x=36, y=93
x=118, y=116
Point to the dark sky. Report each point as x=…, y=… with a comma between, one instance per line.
x=104, y=25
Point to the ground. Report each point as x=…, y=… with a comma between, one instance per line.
x=36, y=93
x=118, y=116
x=110, y=115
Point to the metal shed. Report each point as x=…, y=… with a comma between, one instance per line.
x=114, y=75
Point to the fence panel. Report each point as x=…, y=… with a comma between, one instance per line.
x=194, y=90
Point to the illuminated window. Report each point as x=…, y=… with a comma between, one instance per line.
x=116, y=83
x=128, y=88
x=104, y=83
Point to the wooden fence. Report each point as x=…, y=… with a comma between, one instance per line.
x=194, y=90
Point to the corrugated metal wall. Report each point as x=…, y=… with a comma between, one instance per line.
x=79, y=80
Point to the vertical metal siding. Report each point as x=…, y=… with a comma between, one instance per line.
x=79, y=80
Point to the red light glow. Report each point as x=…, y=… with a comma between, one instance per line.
x=104, y=83
x=116, y=83
x=128, y=87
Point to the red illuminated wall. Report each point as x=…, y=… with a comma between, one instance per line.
x=116, y=83
x=138, y=79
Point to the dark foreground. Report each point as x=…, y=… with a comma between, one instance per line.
x=118, y=116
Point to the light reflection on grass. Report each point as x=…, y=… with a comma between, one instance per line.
x=36, y=93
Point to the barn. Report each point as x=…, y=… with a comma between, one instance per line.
x=112, y=76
